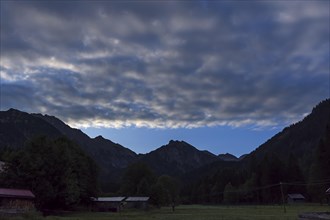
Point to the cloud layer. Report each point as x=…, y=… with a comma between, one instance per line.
x=165, y=64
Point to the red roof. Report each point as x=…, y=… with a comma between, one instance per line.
x=17, y=193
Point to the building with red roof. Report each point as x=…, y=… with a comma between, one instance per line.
x=16, y=200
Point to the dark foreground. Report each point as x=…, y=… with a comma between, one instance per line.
x=194, y=212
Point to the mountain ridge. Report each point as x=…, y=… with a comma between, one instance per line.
x=178, y=158
x=175, y=158
x=19, y=127
x=74, y=133
x=300, y=138
x=82, y=138
x=121, y=158
x=228, y=157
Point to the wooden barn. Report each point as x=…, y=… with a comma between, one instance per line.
x=108, y=204
x=296, y=198
x=16, y=200
x=137, y=202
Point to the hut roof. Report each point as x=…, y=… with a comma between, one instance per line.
x=108, y=199
x=16, y=193
x=137, y=199
x=296, y=196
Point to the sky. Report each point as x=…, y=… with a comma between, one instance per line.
x=224, y=76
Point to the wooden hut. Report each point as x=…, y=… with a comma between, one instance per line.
x=16, y=200
x=137, y=202
x=108, y=204
x=296, y=198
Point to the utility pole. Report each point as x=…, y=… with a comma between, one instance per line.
x=284, y=209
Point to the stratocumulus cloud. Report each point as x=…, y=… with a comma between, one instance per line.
x=165, y=64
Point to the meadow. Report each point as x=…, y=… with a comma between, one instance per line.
x=193, y=212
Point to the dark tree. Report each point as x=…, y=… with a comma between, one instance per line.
x=57, y=171
x=157, y=195
x=230, y=194
x=137, y=180
x=170, y=187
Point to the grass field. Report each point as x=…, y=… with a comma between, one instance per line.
x=196, y=212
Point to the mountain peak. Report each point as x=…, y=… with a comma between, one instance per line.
x=179, y=145
x=228, y=157
x=177, y=157
x=14, y=111
x=176, y=142
x=99, y=137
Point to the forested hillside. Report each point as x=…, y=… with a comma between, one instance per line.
x=17, y=128
x=297, y=157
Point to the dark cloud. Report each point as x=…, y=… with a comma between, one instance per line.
x=165, y=64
